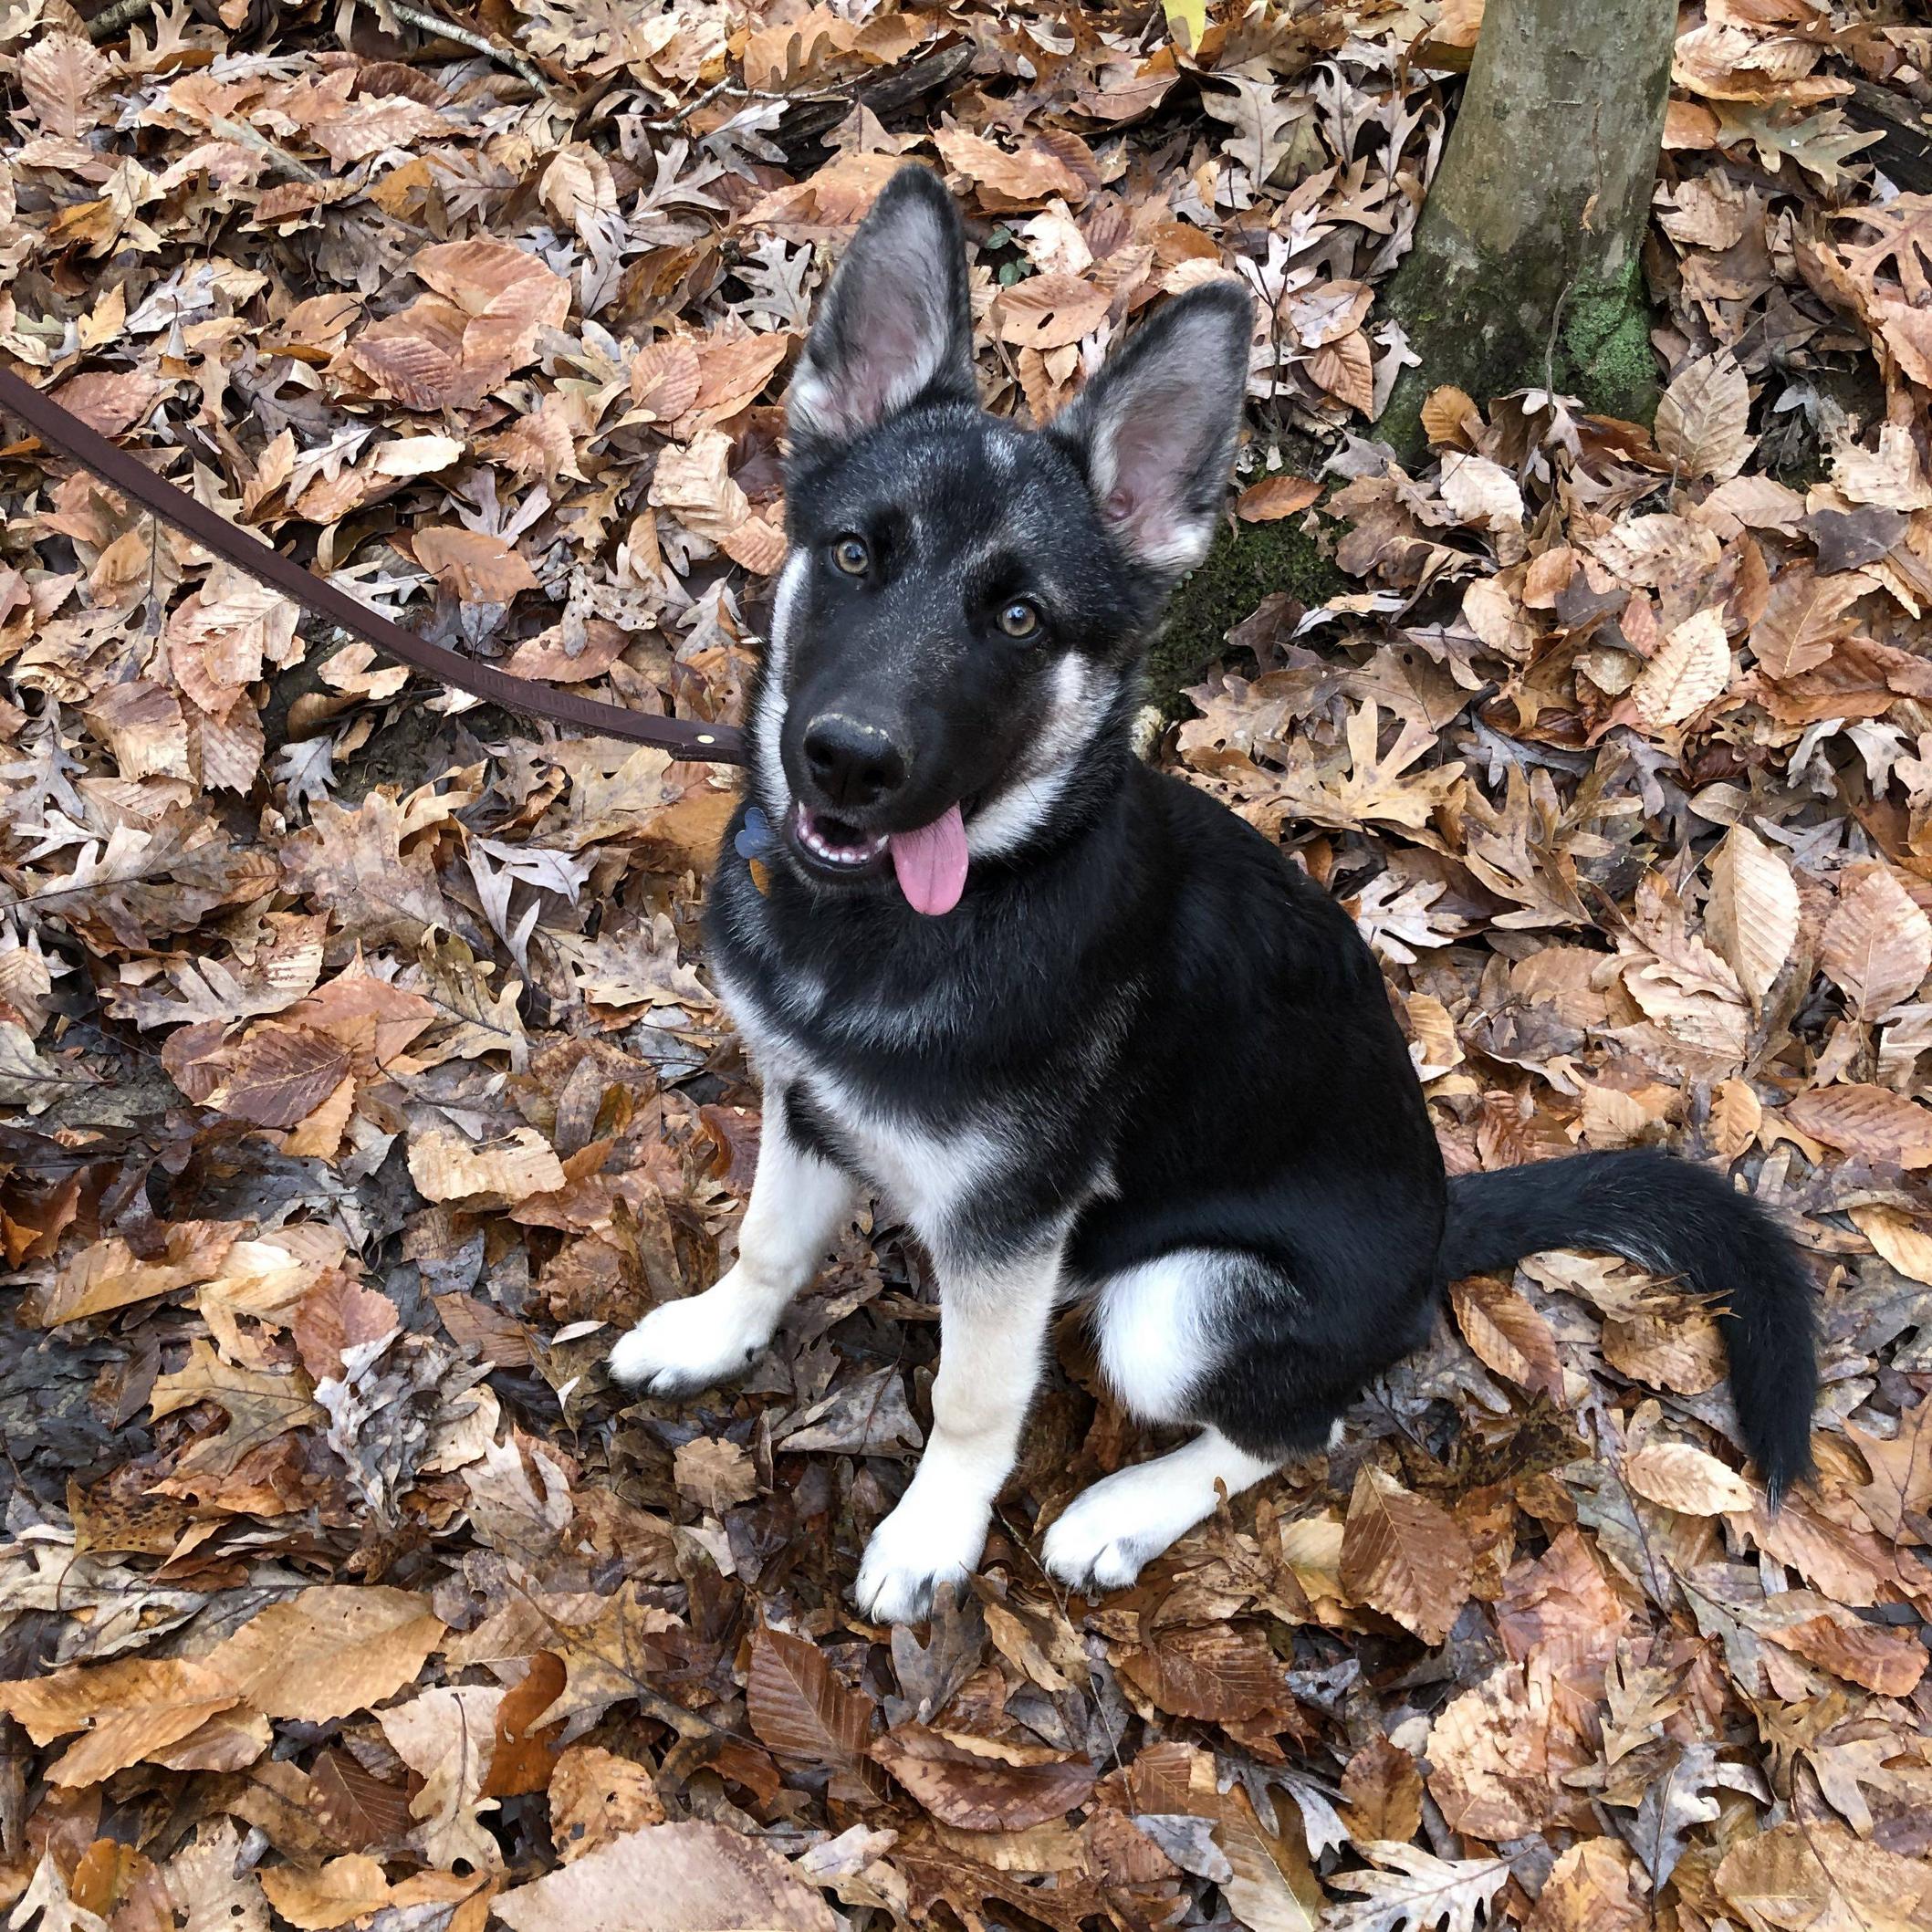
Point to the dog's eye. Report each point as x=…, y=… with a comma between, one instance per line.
x=851, y=556
x=1020, y=618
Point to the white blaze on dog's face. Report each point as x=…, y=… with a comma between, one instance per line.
x=963, y=614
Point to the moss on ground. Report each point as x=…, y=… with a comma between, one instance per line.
x=1245, y=565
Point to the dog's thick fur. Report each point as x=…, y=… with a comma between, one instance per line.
x=1143, y=1061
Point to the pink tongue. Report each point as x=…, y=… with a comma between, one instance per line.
x=932, y=863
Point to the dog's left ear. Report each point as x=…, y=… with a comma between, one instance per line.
x=896, y=325
x=1154, y=431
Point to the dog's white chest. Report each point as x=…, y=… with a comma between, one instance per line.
x=926, y=1174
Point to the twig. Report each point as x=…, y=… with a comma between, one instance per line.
x=736, y=90
x=442, y=29
x=249, y=137
x=672, y=122
x=1556, y=323
x=112, y=21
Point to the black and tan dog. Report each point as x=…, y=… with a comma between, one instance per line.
x=1089, y=1033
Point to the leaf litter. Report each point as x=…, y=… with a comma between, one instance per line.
x=363, y=1078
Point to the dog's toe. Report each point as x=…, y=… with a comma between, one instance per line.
x=687, y=1346
x=910, y=1554
x=1088, y=1553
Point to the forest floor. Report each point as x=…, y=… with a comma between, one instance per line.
x=364, y=1079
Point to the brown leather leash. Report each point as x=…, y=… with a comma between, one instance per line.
x=63, y=430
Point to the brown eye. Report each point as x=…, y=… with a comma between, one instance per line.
x=1020, y=618
x=851, y=556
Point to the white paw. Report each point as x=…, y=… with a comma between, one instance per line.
x=911, y=1552
x=692, y=1344
x=1105, y=1537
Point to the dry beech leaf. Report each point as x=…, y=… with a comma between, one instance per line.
x=1225, y=1672
x=1508, y=1335
x=696, y=1877
x=1690, y=669
x=1871, y=1122
x=60, y=75
x=1383, y=1791
x=345, y=1888
x=1346, y=371
x=1805, y=618
x=1753, y=913
x=331, y=1650
x=1685, y=1479
x=1877, y=944
x=799, y=1708
x=446, y=1167
x=1404, y=1556
x=1888, y=1663
x=128, y=1709
x=1704, y=417
x=1037, y=173
x=1815, y=1876
x=664, y=379
x=1491, y=1768
x=1901, y=1465
x=1049, y=311
x=980, y=1794
x=714, y=1474
x=1275, y=497
x=1898, y=1237
x=1450, y=419
x=1595, y=1886
x=280, y=1075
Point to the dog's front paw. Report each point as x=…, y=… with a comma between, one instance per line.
x=1104, y=1539
x=911, y=1552
x=692, y=1344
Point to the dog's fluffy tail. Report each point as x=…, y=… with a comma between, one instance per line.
x=1673, y=1218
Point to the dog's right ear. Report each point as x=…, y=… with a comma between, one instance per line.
x=896, y=325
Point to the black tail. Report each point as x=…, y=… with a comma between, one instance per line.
x=1673, y=1218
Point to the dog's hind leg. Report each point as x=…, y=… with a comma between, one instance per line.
x=1205, y=1336
x=798, y=1202
x=1108, y=1532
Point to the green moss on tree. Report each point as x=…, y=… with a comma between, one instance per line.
x=1245, y=565
x=1601, y=352
x=1606, y=350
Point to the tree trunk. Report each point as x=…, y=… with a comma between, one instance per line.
x=1525, y=268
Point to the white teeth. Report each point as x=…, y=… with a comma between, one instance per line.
x=820, y=846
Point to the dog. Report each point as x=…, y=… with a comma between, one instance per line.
x=1089, y=1033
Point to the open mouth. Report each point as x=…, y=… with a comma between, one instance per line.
x=836, y=845
x=929, y=861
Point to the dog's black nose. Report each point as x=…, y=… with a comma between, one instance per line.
x=854, y=763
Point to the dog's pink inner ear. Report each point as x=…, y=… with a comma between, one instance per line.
x=895, y=323
x=1150, y=451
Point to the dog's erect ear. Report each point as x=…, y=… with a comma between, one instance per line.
x=895, y=326
x=1155, y=429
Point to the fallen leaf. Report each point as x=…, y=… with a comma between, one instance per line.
x=979, y=1793
x=1685, y=1479
x=799, y=1708
x=1704, y=417
x=1405, y=1557
x=1753, y=913
x=1877, y=944
x=1691, y=668
x=1508, y=1335
x=698, y=1878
